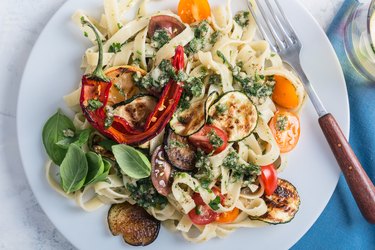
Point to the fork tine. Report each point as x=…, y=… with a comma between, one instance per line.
x=280, y=42
x=293, y=36
x=279, y=24
x=260, y=26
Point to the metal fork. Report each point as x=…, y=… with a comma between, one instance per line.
x=278, y=31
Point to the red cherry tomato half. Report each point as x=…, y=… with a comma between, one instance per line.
x=202, y=214
x=269, y=179
x=207, y=136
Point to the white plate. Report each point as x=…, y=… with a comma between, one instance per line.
x=53, y=71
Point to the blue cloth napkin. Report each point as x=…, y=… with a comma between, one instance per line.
x=341, y=225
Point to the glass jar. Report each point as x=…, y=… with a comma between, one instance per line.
x=360, y=38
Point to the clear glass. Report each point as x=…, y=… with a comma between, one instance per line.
x=358, y=41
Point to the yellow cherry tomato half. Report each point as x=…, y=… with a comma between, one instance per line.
x=285, y=127
x=228, y=217
x=192, y=11
x=284, y=93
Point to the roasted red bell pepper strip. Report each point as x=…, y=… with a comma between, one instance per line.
x=94, y=98
x=95, y=93
x=162, y=113
x=95, y=90
x=171, y=94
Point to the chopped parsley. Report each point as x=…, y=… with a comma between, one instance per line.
x=157, y=78
x=221, y=108
x=214, y=204
x=94, y=104
x=249, y=171
x=215, y=37
x=209, y=120
x=215, y=140
x=215, y=80
x=145, y=195
x=115, y=48
x=204, y=166
x=281, y=122
x=120, y=90
x=184, y=103
x=257, y=89
x=242, y=18
x=198, y=42
x=160, y=38
x=198, y=210
x=225, y=60
x=193, y=86
x=119, y=26
x=85, y=34
x=257, y=86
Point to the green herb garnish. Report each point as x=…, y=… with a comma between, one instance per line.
x=115, y=48
x=94, y=104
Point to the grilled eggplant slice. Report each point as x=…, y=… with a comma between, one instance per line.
x=179, y=152
x=234, y=113
x=282, y=205
x=136, y=110
x=137, y=227
x=161, y=172
x=123, y=86
x=168, y=23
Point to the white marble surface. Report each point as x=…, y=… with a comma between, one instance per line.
x=23, y=225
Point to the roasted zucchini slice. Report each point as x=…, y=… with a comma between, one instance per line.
x=282, y=205
x=234, y=113
x=136, y=110
x=191, y=120
x=137, y=227
x=179, y=152
x=123, y=86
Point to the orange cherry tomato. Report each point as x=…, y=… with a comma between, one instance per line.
x=269, y=179
x=226, y=217
x=192, y=11
x=284, y=93
x=285, y=127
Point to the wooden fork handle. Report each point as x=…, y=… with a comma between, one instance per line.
x=362, y=188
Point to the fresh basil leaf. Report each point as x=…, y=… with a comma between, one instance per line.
x=73, y=169
x=95, y=166
x=79, y=139
x=65, y=143
x=132, y=162
x=83, y=137
x=107, y=144
x=53, y=132
x=104, y=175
